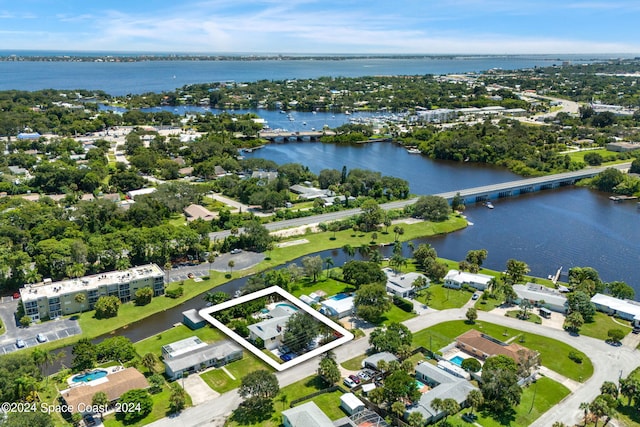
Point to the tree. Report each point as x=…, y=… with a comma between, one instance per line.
x=80, y=298
x=573, y=322
x=398, y=408
x=629, y=388
x=115, y=348
x=27, y=419
x=415, y=419
x=359, y=273
x=475, y=398
x=371, y=215
x=107, y=306
x=477, y=256
x=601, y=407
x=516, y=270
x=149, y=361
x=143, y=295
x=328, y=263
x=312, y=267
x=177, y=398
x=615, y=335
x=451, y=406
x=140, y=400
x=85, y=355
x=471, y=364
x=231, y=264
x=499, y=384
x=371, y=302
x=620, y=290
x=261, y=384
x=300, y=331
x=472, y=315
x=400, y=385
x=580, y=302
x=432, y=208
x=329, y=370
x=424, y=254
x=100, y=400
x=390, y=338
x=610, y=388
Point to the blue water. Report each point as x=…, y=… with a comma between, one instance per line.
x=89, y=376
x=283, y=304
x=420, y=384
x=339, y=297
x=457, y=360
x=121, y=78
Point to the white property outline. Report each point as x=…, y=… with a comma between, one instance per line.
x=206, y=314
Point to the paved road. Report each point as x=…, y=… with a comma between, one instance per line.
x=609, y=364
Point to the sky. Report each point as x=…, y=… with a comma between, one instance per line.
x=327, y=26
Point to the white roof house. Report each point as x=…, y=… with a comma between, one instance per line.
x=552, y=299
x=443, y=386
x=625, y=309
x=306, y=415
x=456, y=278
x=337, y=307
x=402, y=284
x=372, y=361
x=271, y=330
x=351, y=404
x=140, y=192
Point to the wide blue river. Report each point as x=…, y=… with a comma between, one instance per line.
x=566, y=227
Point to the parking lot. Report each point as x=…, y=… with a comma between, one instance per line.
x=52, y=330
x=241, y=261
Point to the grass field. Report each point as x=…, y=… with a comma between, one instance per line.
x=554, y=354
x=443, y=298
x=221, y=382
x=601, y=325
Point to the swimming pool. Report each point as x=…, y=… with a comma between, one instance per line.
x=284, y=304
x=338, y=297
x=89, y=376
x=420, y=385
x=457, y=360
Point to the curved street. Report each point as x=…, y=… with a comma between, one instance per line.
x=609, y=363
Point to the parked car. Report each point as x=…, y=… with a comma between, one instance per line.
x=475, y=296
x=636, y=331
x=349, y=383
x=20, y=343
x=89, y=420
x=236, y=251
x=364, y=376
x=354, y=378
x=41, y=338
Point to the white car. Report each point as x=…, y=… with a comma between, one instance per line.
x=41, y=338
x=349, y=382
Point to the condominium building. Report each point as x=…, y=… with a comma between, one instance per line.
x=53, y=299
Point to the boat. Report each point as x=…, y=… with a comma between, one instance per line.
x=304, y=123
x=413, y=151
x=488, y=205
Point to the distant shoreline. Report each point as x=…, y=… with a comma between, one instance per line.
x=43, y=56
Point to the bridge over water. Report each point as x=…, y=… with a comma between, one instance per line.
x=312, y=135
x=529, y=185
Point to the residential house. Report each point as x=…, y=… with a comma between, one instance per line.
x=192, y=319
x=438, y=384
x=483, y=346
x=194, y=212
x=456, y=278
x=541, y=296
x=403, y=285
x=624, y=309
x=79, y=397
x=271, y=330
x=372, y=361
x=216, y=355
x=337, y=307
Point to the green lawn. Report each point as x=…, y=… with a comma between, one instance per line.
x=329, y=285
x=395, y=315
x=601, y=325
x=354, y=364
x=554, y=354
x=160, y=410
x=443, y=298
x=329, y=402
x=154, y=343
x=219, y=381
x=547, y=393
x=533, y=318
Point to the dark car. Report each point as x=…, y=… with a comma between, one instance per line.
x=89, y=420
x=636, y=331
x=355, y=379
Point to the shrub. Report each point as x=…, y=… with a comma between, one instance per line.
x=175, y=293
x=403, y=304
x=575, y=357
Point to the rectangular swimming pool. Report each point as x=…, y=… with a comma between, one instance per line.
x=338, y=297
x=457, y=360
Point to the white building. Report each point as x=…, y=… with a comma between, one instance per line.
x=337, y=307
x=351, y=404
x=456, y=278
x=541, y=296
x=306, y=415
x=140, y=192
x=403, y=285
x=271, y=330
x=624, y=309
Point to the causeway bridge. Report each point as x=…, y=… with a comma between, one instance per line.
x=528, y=185
x=312, y=135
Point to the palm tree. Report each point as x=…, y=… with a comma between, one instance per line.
x=437, y=404
x=100, y=399
x=328, y=262
x=210, y=259
x=231, y=264
x=167, y=269
x=349, y=250
x=398, y=408
x=75, y=270
x=123, y=263
x=415, y=419
x=585, y=407
x=475, y=399
x=149, y=361
x=80, y=298
x=33, y=276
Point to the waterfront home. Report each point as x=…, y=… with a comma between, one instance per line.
x=114, y=385
x=49, y=299
x=456, y=278
x=216, y=355
x=338, y=306
x=403, y=285
x=438, y=384
x=541, y=296
x=624, y=309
